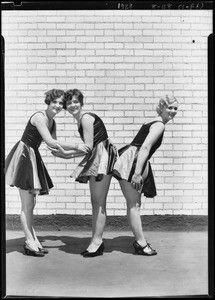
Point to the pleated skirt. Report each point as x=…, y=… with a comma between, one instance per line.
x=124, y=169
x=24, y=168
x=98, y=162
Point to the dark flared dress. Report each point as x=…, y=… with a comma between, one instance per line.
x=100, y=160
x=24, y=167
x=126, y=162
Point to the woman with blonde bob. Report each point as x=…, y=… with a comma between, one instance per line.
x=133, y=169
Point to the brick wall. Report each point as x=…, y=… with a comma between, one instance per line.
x=122, y=61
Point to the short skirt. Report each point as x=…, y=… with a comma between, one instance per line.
x=98, y=162
x=124, y=169
x=25, y=169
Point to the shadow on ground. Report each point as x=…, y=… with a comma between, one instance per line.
x=73, y=245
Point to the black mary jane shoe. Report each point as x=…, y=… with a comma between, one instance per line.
x=43, y=250
x=98, y=252
x=29, y=251
x=140, y=249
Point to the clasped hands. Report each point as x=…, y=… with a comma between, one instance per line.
x=137, y=181
x=60, y=152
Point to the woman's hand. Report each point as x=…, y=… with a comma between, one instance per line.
x=84, y=148
x=66, y=154
x=55, y=153
x=137, y=181
x=57, y=150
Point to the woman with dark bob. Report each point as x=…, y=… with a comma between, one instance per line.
x=25, y=169
x=96, y=166
x=133, y=169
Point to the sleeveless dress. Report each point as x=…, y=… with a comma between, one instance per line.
x=24, y=167
x=100, y=160
x=126, y=162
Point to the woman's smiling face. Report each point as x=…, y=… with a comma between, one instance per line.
x=56, y=105
x=73, y=106
x=169, y=112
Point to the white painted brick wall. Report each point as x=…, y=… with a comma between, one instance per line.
x=122, y=61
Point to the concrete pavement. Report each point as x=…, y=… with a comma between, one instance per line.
x=180, y=268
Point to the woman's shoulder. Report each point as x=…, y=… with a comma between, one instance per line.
x=87, y=114
x=158, y=126
x=87, y=117
x=154, y=124
x=154, y=121
x=38, y=115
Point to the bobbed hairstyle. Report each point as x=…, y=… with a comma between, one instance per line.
x=53, y=94
x=70, y=93
x=164, y=102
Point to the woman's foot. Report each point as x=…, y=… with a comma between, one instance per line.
x=143, y=250
x=93, y=250
x=40, y=247
x=92, y=247
x=32, y=251
x=43, y=250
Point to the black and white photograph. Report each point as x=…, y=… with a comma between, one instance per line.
x=105, y=142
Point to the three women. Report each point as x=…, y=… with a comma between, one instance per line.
x=131, y=167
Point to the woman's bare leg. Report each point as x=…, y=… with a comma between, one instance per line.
x=98, y=191
x=28, y=203
x=36, y=239
x=133, y=199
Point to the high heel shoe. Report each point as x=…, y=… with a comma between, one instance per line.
x=31, y=252
x=43, y=250
x=140, y=249
x=86, y=251
x=98, y=252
